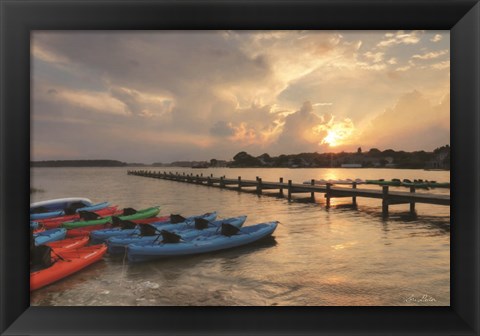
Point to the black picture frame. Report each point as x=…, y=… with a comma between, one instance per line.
x=20, y=17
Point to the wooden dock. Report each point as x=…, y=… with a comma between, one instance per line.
x=330, y=191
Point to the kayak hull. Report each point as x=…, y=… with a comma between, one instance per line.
x=68, y=244
x=141, y=214
x=85, y=231
x=61, y=213
x=48, y=236
x=201, y=244
x=75, y=260
x=117, y=245
x=58, y=221
x=100, y=236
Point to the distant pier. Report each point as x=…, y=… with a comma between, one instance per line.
x=330, y=191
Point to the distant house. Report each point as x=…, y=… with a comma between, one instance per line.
x=439, y=161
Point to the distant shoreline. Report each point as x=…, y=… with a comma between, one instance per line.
x=168, y=167
x=438, y=160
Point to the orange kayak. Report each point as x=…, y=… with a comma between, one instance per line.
x=73, y=261
x=69, y=243
x=51, y=223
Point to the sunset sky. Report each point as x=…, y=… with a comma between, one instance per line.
x=196, y=95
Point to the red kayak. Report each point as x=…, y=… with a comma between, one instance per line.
x=69, y=244
x=70, y=262
x=52, y=223
x=85, y=231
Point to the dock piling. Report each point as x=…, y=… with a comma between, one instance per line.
x=259, y=186
x=289, y=190
x=385, y=201
x=354, y=198
x=412, y=204
x=312, y=194
x=328, y=194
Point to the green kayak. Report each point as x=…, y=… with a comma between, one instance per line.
x=438, y=184
x=420, y=185
x=140, y=214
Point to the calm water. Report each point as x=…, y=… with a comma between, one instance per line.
x=340, y=256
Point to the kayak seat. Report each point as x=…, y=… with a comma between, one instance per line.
x=39, y=210
x=127, y=225
x=88, y=215
x=116, y=221
x=175, y=219
x=228, y=229
x=129, y=211
x=147, y=230
x=72, y=208
x=170, y=237
x=201, y=223
x=40, y=258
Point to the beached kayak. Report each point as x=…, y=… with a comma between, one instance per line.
x=86, y=230
x=44, y=215
x=58, y=221
x=145, y=213
x=73, y=212
x=55, y=207
x=118, y=244
x=65, y=264
x=200, y=244
x=68, y=244
x=48, y=236
x=100, y=236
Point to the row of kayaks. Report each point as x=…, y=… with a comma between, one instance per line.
x=422, y=184
x=59, y=244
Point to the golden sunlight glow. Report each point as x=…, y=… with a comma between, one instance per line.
x=332, y=138
x=336, y=132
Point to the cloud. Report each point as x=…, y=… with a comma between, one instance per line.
x=222, y=129
x=400, y=38
x=413, y=123
x=141, y=104
x=436, y=38
x=374, y=57
x=305, y=131
x=430, y=55
x=441, y=65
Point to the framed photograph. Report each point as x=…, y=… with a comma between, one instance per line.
x=344, y=134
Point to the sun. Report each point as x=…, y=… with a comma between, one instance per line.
x=332, y=138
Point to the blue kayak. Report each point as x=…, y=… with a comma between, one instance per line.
x=200, y=244
x=49, y=236
x=34, y=225
x=57, y=213
x=45, y=215
x=100, y=236
x=118, y=244
x=94, y=207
